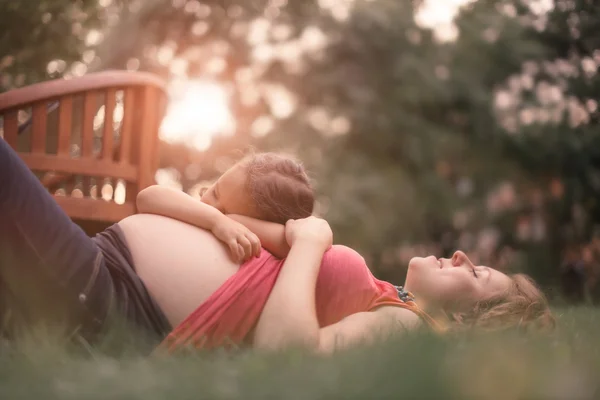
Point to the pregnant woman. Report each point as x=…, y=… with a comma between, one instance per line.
x=158, y=273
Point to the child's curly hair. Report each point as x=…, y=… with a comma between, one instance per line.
x=279, y=186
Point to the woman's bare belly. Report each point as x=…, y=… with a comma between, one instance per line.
x=181, y=265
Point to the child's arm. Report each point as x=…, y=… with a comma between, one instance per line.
x=178, y=205
x=271, y=234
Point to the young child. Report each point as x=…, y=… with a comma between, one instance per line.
x=266, y=186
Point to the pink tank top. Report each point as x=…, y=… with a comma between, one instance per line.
x=345, y=286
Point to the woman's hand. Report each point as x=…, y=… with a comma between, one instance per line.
x=242, y=243
x=312, y=229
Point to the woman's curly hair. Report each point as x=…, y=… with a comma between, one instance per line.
x=523, y=306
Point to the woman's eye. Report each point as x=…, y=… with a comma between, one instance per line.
x=475, y=273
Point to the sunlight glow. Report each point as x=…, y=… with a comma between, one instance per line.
x=541, y=6
x=439, y=15
x=198, y=110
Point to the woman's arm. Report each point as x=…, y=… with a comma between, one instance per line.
x=289, y=316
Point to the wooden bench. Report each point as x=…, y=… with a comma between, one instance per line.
x=93, y=140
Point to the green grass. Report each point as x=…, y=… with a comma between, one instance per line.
x=418, y=366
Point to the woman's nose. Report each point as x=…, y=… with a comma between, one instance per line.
x=459, y=258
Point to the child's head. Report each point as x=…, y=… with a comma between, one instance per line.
x=267, y=186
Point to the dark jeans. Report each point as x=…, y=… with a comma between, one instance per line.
x=51, y=272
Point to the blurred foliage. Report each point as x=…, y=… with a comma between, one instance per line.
x=488, y=143
x=36, y=33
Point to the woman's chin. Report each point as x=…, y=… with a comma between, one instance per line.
x=414, y=262
x=423, y=262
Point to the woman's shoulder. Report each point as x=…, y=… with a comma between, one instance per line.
x=405, y=317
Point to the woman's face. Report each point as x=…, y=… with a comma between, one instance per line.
x=453, y=285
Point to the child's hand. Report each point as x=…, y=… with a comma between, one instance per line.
x=242, y=243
